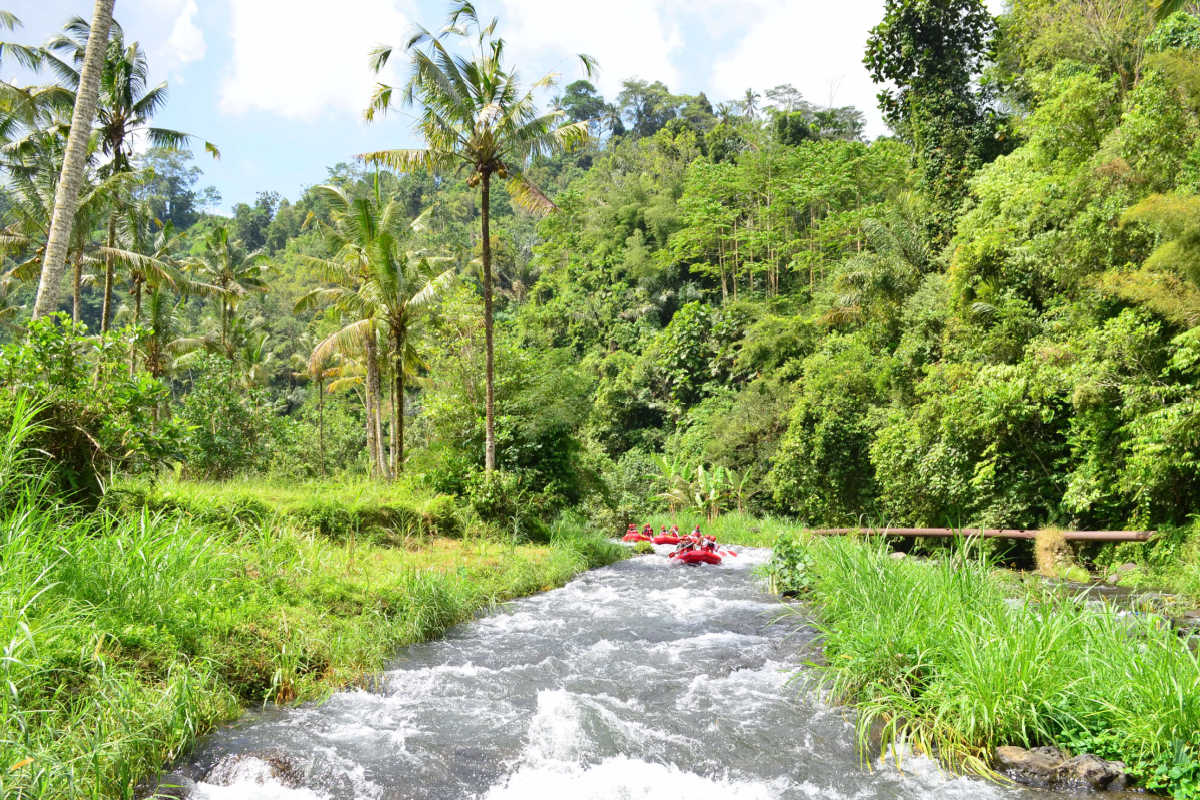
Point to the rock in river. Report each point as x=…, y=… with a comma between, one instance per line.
x=1052, y=768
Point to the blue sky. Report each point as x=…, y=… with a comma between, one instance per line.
x=280, y=85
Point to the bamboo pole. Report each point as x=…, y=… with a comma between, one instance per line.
x=987, y=533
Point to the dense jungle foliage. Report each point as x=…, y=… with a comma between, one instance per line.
x=989, y=317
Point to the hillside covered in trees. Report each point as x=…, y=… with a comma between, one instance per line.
x=986, y=318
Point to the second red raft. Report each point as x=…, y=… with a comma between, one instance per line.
x=698, y=557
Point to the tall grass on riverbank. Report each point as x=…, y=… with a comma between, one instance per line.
x=125, y=635
x=934, y=654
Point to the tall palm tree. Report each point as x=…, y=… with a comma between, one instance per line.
x=125, y=107
x=353, y=236
x=33, y=180
x=319, y=371
x=477, y=118
x=378, y=284
x=163, y=320
x=147, y=254
x=74, y=161
x=228, y=273
x=749, y=104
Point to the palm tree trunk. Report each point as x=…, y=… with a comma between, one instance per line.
x=321, y=421
x=375, y=393
x=489, y=407
x=398, y=343
x=76, y=282
x=137, y=317
x=66, y=198
x=106, y=310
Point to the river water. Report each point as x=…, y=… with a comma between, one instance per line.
x=644, y=680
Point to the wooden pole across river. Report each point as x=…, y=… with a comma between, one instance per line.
x=989, y=533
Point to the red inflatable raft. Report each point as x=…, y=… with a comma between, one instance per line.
x=668, y=539
x=635, y=537
x=697, y=557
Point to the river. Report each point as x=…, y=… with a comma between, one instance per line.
x=646, y=679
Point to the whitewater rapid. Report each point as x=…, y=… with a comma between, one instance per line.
x=644, y=680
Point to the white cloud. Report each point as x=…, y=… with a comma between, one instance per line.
x=186, y=41
x=630, y=38
x=301, y=58
x=816, y=48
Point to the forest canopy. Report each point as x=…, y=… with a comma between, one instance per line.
x=987, y=317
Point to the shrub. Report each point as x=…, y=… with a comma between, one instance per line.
x=230, y=429
x=500, y=498
x=93, y=417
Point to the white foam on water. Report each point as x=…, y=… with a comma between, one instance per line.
x=623, y=778
x=558, y=731
x=250, y=778
x=922, y=777
x=424, y=681
x=740, y=690
x=721, y=639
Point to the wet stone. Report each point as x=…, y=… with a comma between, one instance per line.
x=1052, y=768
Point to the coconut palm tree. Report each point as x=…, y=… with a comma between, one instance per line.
x=319, y=371
x=33, y=180
x=147, y=254
x=476, y=118
x=225, y=271
x=74, y=161
x=125, y=107
x=382, y=287
x=162, y=342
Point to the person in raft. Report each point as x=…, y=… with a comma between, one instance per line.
x=674, y=529
x=648, y=530
x=632, y=529
x=710, y=544
x=663, y=532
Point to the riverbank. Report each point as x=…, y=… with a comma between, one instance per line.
x=940, y=654
x=132, y=630
x=1169, y=562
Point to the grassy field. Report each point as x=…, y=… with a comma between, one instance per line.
x=938, y=654
x=130, y=631
x=392, y=512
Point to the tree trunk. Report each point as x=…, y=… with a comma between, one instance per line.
x=77, y=281
x=375, y=393
x=369, y=404
x=137, y=317
x=489, y=408
x=398, y=343
x=66, y=197
x=106, y=309
x=321, y=421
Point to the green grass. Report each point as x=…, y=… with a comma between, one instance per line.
x=391, y=512
x=129, y=632
x=936, y=655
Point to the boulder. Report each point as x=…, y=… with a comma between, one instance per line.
x=1051, y=768
x=1120, y=572
x=898, y=555
x=1091, y=772
x=1036, y=767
